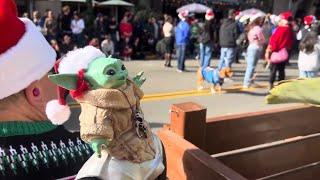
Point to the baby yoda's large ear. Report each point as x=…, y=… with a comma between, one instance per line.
x=67, y=81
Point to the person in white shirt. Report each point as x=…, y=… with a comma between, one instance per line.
x=168, y=39
x=107, y=46
x=77, y=27
x=308, y=61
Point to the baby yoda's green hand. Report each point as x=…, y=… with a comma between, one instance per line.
x=138, y=79
x=96, y=145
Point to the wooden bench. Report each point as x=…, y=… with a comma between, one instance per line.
x=277, y=144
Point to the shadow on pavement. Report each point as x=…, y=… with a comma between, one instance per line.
x=156, y=125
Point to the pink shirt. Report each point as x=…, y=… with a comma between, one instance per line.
x=255, y=36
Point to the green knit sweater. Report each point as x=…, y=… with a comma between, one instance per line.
x=40, y=150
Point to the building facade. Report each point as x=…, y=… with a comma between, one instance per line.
x=29, y=6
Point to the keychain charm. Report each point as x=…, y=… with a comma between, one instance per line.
x=140, y=125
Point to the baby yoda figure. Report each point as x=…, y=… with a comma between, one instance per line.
x=111, y=119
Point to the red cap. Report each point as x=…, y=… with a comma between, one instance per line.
x=12, y=28
x=286, y=15
x=308, y=20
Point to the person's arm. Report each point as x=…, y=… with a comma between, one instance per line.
x=103, y=48
x=236, y=31
x=299, y=35
x=267, y=54
x=81, y=25
x=112, y=48
x=72, y=25
x=261, y=37
x=186, y=31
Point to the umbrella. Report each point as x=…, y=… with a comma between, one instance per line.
x=194, y=8
x=115, y=3
x=76, y=1
x=251, y=12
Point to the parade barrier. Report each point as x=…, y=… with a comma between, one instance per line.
x=275, y=144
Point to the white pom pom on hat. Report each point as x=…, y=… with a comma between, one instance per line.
x=57, y=113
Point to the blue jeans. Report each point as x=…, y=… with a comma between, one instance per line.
x=253, y=55
x=308, y=74
x=226, y=57
x=181, y=50
x=205, y=54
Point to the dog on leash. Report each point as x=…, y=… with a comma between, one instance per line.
x=214, y=77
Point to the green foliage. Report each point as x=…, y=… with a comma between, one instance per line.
x=144, y=13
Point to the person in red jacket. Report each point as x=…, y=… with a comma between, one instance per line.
x=126, y=28
x=283, y=37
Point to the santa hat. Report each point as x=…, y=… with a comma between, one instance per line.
x=308, y=20
x=209, y=15
x=239, y=15
x=286, y=15
x=75, y=62
x=183, y=15
x=25, y=55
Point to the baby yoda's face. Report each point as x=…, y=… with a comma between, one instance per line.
x=106, y=73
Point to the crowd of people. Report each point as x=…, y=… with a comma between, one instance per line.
x=256, y=36
x=131, y=38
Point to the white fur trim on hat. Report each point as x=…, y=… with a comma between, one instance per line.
x=29, y=60
x=208, y=17
x=79, y=59
x=57, y=113
x=183, y=15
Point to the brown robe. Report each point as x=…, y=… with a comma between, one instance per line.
x=106, y=113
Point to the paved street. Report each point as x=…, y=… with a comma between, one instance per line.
x=164, y=86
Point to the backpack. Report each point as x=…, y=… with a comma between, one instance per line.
x=242, y=41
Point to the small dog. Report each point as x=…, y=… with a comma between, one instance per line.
x=214, y=77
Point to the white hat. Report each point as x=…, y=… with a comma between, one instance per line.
x=244, y=19
x=209, y=15
x=25, y=55
x=275, y=19
x=183, y=15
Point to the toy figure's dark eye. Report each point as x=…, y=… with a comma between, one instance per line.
x=123, y=68
x=111, y=72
